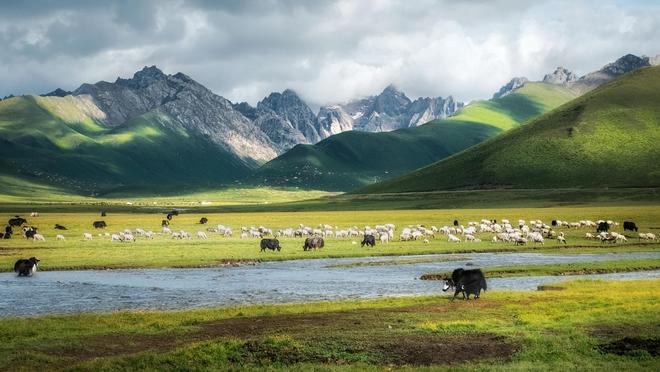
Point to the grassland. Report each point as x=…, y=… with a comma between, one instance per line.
x=352, y=159
x=606, y=138
x=579, y=268
x=590, y=325
x=55, y=143
x=74, y=253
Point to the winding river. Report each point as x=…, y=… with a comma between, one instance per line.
x=58, y=292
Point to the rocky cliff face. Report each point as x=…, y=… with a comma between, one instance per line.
x=292, y=109
x=560, y=76
x=512, y=85
x=387, y=111
x=609, y=72
x=333, y=120
x=180, y=98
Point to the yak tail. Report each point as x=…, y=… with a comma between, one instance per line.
x=484, y=286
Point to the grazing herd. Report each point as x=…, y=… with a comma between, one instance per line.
x=467, y=282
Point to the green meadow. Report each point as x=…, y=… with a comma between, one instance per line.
x=163, y=251
x=586, y=325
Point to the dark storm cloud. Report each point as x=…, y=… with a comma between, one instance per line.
x=327, y=50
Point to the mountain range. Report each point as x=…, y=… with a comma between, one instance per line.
x=350, y=160
x=166, y=130
x=606, y=138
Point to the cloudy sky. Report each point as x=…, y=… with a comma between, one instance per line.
x=328, y=51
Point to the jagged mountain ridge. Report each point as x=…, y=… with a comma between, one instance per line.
x=588, y=82
x=387, y=111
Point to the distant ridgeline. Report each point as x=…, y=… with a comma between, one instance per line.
x=163, y=131
x=608, y=137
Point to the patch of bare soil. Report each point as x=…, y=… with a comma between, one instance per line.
x=632, y=346
x=394, y=349
x=433, y=349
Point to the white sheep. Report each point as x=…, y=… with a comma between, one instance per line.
x=201, y=235
x=59, y=237
x=88, y=236
x=39, y=237
x=453, y=238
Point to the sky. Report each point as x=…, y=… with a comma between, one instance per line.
x=327, y=51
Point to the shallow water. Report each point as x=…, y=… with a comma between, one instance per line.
x=57, y=292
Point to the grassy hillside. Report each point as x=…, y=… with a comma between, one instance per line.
x=53, y=141
x=353, y=159
x=607, y=138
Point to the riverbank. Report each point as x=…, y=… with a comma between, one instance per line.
x=613, y=326
x=564, y=269
x=74, y=253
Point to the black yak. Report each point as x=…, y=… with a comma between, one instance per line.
x=272, y=244
x=467, y=282
x=369, y=241
x=27, y=267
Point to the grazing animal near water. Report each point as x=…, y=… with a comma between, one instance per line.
x=27, y=267
x=59, y=237
x=629, y=225
x=315, y=242
x=59, y=227
x=272, y=244
x=17, y=221
x=203, y=220
x=99, y=224
x=369, y=241
x=467, y=282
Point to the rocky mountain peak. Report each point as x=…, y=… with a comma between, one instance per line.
x=561, y=75
x=59, y=92
x=625, y=64
x=512, y=85
x=391, y=101
x=289, y=105
x=143, y=78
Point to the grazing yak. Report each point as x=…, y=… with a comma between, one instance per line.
x=8, y=232
x=368, y=240
x=59, y=227
x=314, y=242
x=203, y=220
x=27, y=267
x=99, y=224
x=29, y=232
x=603, y=226
x=17, y=221
x=467, y=282
x=272, y=244
x=103, y=214
x=629, y=225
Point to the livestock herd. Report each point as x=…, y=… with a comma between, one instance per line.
x=519, y=232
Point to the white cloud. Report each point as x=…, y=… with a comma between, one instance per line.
x=329, y=51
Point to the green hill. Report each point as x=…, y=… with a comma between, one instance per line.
x=609, y=137
x=353, y=159
x=53, y=141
